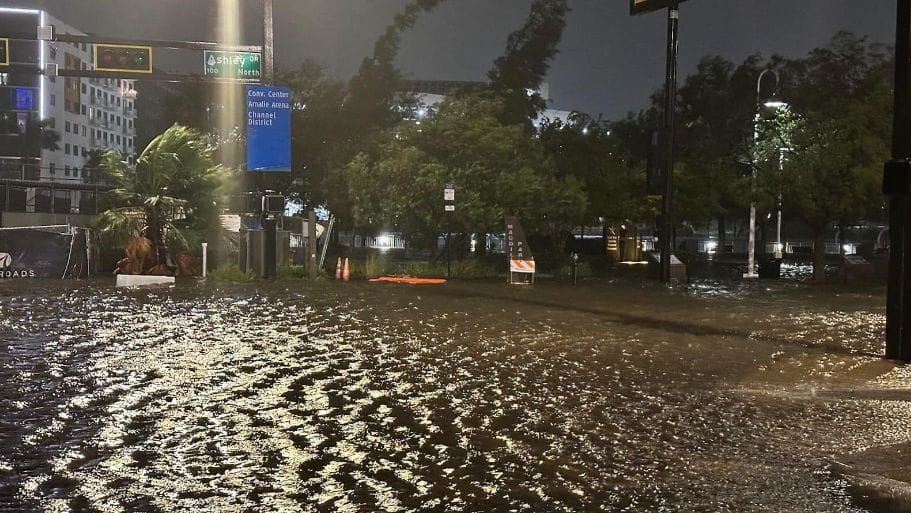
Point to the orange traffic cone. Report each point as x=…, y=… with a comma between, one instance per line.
x=346, y=274
x=338, y=269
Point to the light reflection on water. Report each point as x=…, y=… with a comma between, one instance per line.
x=471, y=398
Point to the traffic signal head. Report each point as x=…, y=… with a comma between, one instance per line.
x=273, y=203
x=123, y=58
x=4, y=51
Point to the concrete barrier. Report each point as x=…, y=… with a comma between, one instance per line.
x=136, y=280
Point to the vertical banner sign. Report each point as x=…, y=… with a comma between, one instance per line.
x=520, y=258
x=268, y=128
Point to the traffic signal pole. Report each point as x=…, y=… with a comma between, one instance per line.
x=670, y=105
x=269, y=219
x=896, y=183
x=268, y=44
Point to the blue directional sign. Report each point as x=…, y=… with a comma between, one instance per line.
x=268, y=128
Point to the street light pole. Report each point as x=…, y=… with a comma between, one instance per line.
x=751, y=243
x=778, y=247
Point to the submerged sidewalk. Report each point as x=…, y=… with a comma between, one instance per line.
x=879, y=478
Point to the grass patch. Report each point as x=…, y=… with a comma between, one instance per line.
x=231, y=273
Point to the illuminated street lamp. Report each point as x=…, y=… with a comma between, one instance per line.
x=772, y=103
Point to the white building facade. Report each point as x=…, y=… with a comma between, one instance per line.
x=89, y=114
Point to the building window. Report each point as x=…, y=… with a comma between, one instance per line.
x=118, y=101
x=105, y=137
x=118, y=120
x=67, y=127
x=76, y=172
x=66, y=149
x=83, y=130
x=118, y=139
x=83, y=109
x=52, y=99
x=52, y=168
x=76, y=150
x=66, y=170
x=83, y=89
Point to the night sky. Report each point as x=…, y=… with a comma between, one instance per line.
x=609, y=62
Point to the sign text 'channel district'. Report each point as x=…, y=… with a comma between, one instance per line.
x=268, y=128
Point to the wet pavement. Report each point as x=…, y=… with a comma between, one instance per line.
x=466, y=397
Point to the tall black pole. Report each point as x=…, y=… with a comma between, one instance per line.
x=898, y=318
x=270, y=266
x=268, y=44
x=670, y=105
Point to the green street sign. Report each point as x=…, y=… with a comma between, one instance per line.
x=4, y=51
x=240, y=65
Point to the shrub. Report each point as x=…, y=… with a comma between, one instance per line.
x=232, y=274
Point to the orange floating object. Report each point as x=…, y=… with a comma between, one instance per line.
x=410, y=280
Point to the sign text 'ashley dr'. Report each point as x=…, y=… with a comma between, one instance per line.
x=240, y=65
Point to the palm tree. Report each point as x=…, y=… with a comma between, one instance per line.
x=164, y=204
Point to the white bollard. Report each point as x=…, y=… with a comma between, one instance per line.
x=205, y=257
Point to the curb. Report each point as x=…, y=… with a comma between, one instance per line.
x=877, y=493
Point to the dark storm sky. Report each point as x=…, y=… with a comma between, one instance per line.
x=609, y=62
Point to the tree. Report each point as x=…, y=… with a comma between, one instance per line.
x=517, y=76
x=497, y=170
x=587, y=150
x=716, y=108
x=319, y=130
x=165, y=203
x=842, y=103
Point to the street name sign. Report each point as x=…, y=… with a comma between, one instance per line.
x=268, y=128
x=644, y=6
x=240, y=65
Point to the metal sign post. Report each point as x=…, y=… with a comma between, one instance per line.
x=448, y=200
x=670, y=105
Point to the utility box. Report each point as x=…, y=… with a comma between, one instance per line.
x=253, y=251
x=678, y=268
x=855, y=267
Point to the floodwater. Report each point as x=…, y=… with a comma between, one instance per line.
x=474, y=397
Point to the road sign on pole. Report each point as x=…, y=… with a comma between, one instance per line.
x=240, y=65
x=268, y=128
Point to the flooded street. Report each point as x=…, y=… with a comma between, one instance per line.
x=466, y=397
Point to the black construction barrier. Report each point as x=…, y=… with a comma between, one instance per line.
x=44, y=252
